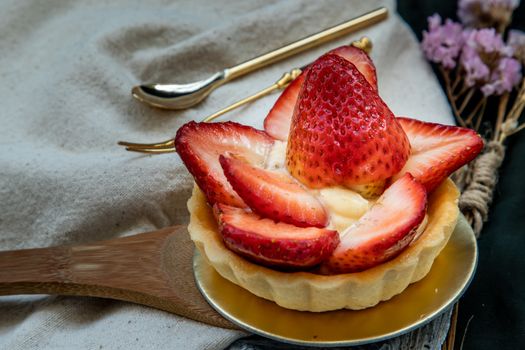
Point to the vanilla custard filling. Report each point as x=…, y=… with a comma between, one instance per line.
x=343, y=205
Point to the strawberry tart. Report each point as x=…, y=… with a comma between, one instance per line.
x=337, y=203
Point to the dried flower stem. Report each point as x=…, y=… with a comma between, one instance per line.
x=480, y=116
x=502, y=107
x=519, y=128
x=517, y=108
x=510, y=125
x=466, y=100
x=501, y=28
x=450, y=95
x=474, y=112
x=464, y=88
x=457, y=80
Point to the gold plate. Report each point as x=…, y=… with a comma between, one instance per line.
x=450, y=275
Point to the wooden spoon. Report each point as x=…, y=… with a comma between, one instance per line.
x=153, y=269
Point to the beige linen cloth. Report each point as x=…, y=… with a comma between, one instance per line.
x=66, y=70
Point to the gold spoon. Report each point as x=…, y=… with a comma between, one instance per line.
x=181, y=96
x=168, y=146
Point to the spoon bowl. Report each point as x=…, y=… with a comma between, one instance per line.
x=178, y=96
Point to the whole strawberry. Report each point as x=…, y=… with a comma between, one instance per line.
x=342, y=133
x=277, y=122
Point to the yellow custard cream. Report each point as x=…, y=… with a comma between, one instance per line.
x=344, y=206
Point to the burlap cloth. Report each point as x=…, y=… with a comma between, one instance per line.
x=66, y=69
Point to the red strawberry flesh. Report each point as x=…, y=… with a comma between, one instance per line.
x=384, y=231
x=274, y=195
x=342, y=133
x=200, y=145
x=273, y=244
x=277, y=123
x=437, y=150
x=360, y=60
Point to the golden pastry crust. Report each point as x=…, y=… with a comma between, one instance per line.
x=311, y=292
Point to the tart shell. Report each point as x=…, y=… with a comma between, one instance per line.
x=307, y=291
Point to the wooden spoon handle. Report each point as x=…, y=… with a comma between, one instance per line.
x=153, y=269
x=105, y=269
x=33, y=271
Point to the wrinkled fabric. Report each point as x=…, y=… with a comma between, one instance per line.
x=67, y=68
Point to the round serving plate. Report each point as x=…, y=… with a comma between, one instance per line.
x=450, y=275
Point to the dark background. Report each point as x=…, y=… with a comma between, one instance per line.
x=496, y=298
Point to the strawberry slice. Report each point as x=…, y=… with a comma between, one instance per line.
x=384, y=231
x=342, y=132
x=438, y=150
x=277, y=123
x=273, y=244
x=200, y=145
x=274, y=195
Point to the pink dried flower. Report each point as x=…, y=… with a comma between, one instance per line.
x=503, y=78
x=486, y=61
x=486, y=13
x=475, y=69
x=442, y=43
x=486, y=41
x=516, y=40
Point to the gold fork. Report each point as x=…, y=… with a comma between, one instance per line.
x=168, y=146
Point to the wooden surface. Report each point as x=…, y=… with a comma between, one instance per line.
x=153, y=269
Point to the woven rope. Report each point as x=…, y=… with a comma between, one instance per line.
x=477, y=183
